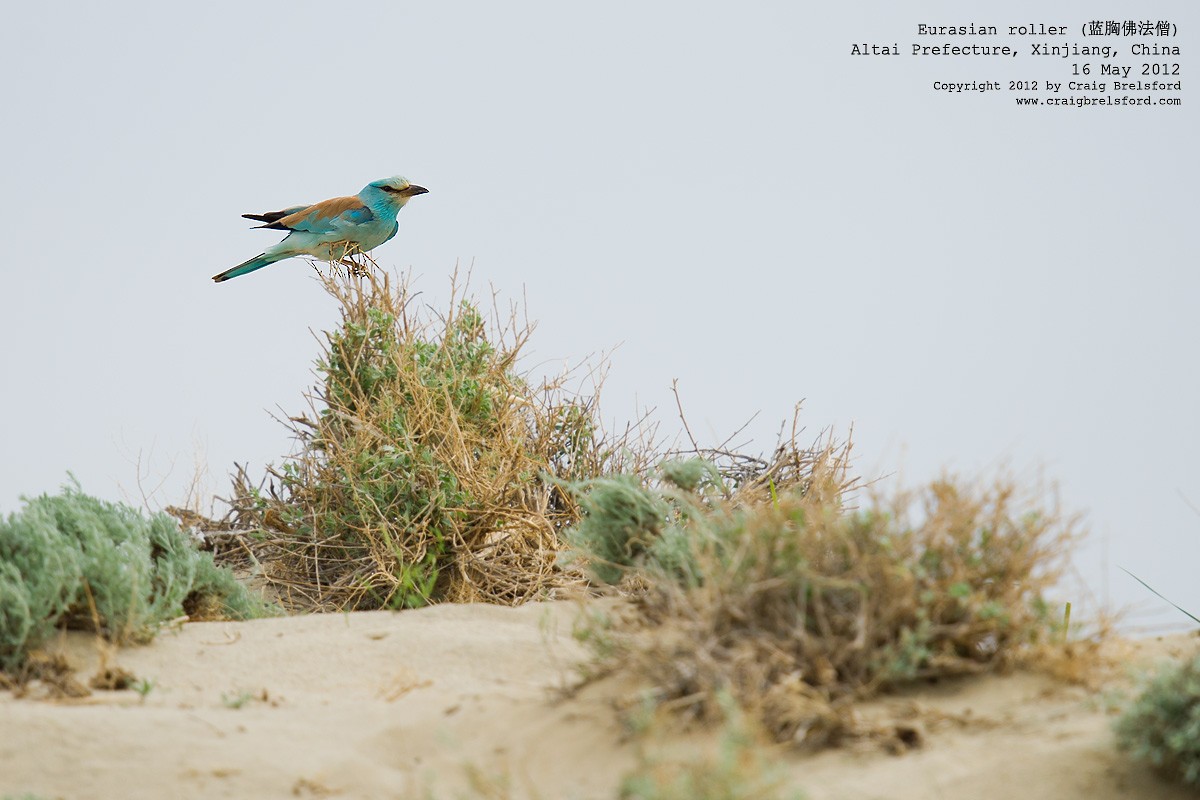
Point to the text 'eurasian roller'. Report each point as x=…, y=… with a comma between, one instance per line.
x=333, y=229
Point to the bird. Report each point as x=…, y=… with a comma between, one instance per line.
x=332, y=229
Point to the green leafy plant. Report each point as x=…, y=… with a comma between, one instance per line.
x=238, y=698
x=1162, y=726
x=426, y=469
x=143, y=687
x=72, y=559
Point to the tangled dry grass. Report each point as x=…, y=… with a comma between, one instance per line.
x=798, y=604
x=426, y=467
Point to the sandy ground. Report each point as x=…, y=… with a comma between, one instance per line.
x=397, y=705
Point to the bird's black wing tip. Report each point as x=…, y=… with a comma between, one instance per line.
x=271, y=218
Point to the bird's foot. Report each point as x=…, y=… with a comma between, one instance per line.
x=354, y=268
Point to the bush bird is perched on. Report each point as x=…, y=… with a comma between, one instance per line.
x=333, y=229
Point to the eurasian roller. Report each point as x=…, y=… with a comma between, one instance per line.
x=333, y=229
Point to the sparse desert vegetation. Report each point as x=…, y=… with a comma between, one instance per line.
x=799, y=602
x=762, y=596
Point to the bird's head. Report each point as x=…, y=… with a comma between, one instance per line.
x=396, y=190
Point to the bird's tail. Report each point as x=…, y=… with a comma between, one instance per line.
x=258, y=262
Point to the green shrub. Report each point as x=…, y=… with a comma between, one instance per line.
x=796, y=602
x=427, y=470
x=621, y=520
x=1163, y=724
x=71, y=559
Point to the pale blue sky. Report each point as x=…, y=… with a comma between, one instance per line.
x=719, y=188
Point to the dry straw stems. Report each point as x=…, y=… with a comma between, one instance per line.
x=429, y=468
x=797, y=604
x=425, y=466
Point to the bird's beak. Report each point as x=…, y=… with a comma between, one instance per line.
x=413, y=191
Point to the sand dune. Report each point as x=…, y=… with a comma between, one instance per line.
x=387, y=705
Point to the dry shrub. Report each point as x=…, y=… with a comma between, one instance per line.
x=424, y=467
x=797, y=604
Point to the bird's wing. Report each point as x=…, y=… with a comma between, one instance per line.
x=271, y=217
x=328, y=216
